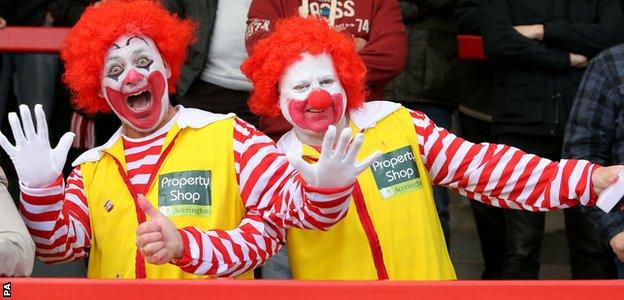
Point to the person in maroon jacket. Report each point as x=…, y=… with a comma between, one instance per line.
x=376, y=26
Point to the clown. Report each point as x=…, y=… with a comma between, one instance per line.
x=313, y=76
x=205, y=193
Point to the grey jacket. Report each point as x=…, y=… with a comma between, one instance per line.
x=17, y=250
x=203, y=13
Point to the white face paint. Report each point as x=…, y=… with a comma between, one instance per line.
x=311, y=95
x=134, y=82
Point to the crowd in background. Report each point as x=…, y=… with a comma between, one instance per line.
x=545, y=88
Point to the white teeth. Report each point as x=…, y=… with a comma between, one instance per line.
x=139, y=93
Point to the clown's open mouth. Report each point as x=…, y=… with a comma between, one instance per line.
x=140, y=101
x=310, y=110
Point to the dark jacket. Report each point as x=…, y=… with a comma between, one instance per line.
x=429, y=73
x=5, y=6
x=68, y=12
x=26, y=12
x=474, y=77
x=203, y=13
x=534, y=85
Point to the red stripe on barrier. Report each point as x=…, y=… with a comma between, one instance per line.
x=32, y=39
x=471, y=47
x=40, y=288
x=50, y=39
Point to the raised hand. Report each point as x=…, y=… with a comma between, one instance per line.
x=36, y=163
x=336, y=167
x=158, y=239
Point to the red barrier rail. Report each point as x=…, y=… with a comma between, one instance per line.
x=50, y=39
x=471, y=47
x=32, y=39
x=40, y=288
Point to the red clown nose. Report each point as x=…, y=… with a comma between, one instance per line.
x=132, y=78
x=320, y=99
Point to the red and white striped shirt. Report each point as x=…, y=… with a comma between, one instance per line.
x=141, y=158
x=274, y=194
x=495, y=174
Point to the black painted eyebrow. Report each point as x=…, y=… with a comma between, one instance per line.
x=115, y=45
x=136, y=37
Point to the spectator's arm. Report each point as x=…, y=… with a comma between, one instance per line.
x=588, y=39
x=608, y=225
x=386, y=49
x=467, y=16
x=590, y=132
x=17, y=250
x=504, y=44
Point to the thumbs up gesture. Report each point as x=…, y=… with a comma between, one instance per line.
x=158, y=239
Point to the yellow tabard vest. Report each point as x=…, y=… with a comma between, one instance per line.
x=392, y=230
x=195, y=185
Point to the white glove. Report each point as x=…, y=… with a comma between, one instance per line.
x=36, y=163
x=336, y=167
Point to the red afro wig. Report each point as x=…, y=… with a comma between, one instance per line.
x=292, y=37
x=100, y=25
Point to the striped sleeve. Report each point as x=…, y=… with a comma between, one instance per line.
x=57, y=218
x=275, y=197
x=501, y=175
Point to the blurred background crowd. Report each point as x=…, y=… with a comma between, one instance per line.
x=552, y=85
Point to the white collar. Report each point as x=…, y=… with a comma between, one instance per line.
x=186, y=117
x=365, y=117
x=372, y=112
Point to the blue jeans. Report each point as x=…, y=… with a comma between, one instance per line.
x=34, y=81
x=442, y=117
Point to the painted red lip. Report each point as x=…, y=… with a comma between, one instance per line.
x=146, y=116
